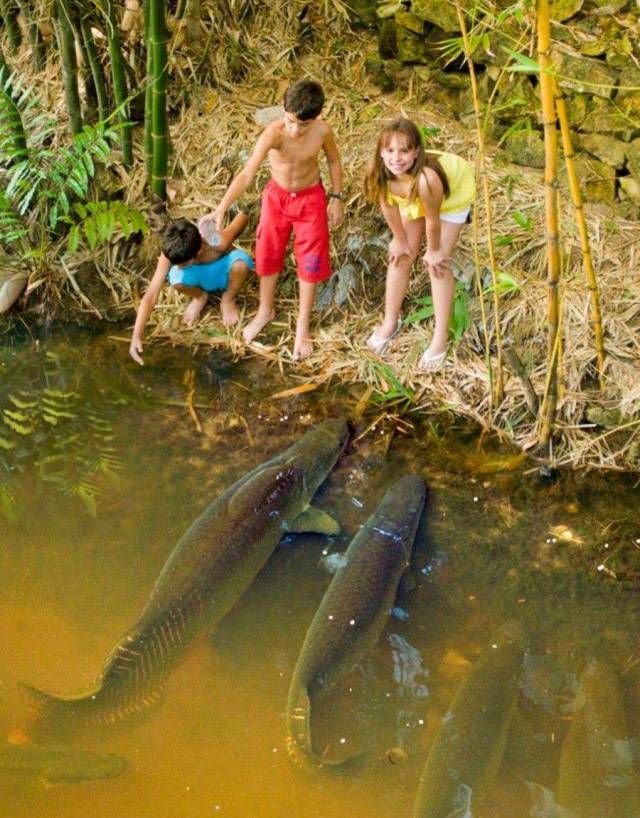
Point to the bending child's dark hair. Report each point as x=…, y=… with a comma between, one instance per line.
x=181, y=241
x=305, y=99
x=378, y=177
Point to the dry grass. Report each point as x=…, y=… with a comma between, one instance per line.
x=212, y=135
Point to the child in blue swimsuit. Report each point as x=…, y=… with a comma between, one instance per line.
x=197, y=269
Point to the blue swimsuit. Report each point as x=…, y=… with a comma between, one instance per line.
x=210, y=276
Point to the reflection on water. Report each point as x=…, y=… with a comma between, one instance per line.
x=76, y=564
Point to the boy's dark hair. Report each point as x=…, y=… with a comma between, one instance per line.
x=181, y=241
x=305, y=99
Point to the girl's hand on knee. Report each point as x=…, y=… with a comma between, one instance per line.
x=397, y=249
x=437, y=263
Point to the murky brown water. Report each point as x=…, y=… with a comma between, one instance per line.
x=102, y=470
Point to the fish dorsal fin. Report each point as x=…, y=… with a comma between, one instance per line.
x=314, y=520
x=265, y=488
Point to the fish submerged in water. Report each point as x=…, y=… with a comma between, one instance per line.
x=467, y=750
x=597, y=777
x=206, y=574
x=354, y=609
x=60, y=765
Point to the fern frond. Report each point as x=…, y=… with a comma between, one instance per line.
x=99, y=221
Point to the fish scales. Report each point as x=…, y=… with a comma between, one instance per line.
x=205, y=575
x=354, y=609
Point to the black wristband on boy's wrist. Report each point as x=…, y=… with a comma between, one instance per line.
x=334, y=195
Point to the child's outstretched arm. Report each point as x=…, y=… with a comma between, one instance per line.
x=336, y=205
x=267, y=140
x=399, y=246
x=431, y=193
x=231, y=233
x=147, y=304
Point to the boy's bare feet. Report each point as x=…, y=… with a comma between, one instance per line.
x=257, y=324
x=192, y=313
x=302, y=348
x=229, y=310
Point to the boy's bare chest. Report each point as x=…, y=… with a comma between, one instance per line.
x=291, y=152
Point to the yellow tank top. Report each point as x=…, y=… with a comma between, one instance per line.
x=462, y=188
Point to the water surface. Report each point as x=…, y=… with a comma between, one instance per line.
x=103, y=467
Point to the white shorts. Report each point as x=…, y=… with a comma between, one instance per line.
x=459, y=217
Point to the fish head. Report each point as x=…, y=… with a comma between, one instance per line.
x=316, y=453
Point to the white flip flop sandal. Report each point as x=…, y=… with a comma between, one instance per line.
x=379, y=345
x=432, y=363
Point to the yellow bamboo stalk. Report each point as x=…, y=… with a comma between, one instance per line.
x=481, y=172
x=576, y=195
x=551, y=214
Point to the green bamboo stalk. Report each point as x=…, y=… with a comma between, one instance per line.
x=37, y=43
x=9, y=14
x=158, y=37
x=119, y=80
x=576, y=196
x=551, y=217
x=95, y=66
x=148, y=95
x=67, y=48
x=481, y=167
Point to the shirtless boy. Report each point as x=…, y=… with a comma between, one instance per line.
x=293, y=199
x=195, y=268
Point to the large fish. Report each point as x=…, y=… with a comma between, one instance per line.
x=60, y=765
x=206, y=574
x=468, y=748
x=597, y=777
x=354, y=609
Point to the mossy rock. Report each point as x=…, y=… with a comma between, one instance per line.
x=628, y=82
x=363, y=12
x=633, y=158
x=525, y=148
x=607, y=418
x=630, y=189
x=424, y=49
x=376, y=69
x=436, y=12
x=630, y=106
x=407, y=20
x=603, y=116
x=585, y=75
x=607, y=149
x=577, y=106
x=387, y=39
x=619, y=52
x=597, y=180
x=562, y=10
x=612, y=6
x=514, y=98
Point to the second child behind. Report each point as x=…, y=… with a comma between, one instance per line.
x=293, y=200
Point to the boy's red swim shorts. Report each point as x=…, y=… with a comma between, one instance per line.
x=304, y=212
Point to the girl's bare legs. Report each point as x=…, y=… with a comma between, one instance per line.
x=442, y=290
x=398, y=273
x=303, y=346
x=265, y=312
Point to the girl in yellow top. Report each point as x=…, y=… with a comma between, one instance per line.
x=419, y=192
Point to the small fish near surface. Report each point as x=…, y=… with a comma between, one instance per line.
x=468, y=748
x=354, y=610
x=206, y=574
x=59, y=765
x=597, y=778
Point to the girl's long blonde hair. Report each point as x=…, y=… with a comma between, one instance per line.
x=378, y=177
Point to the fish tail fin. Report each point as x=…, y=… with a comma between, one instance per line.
x=50, y=714
x=299, y=740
